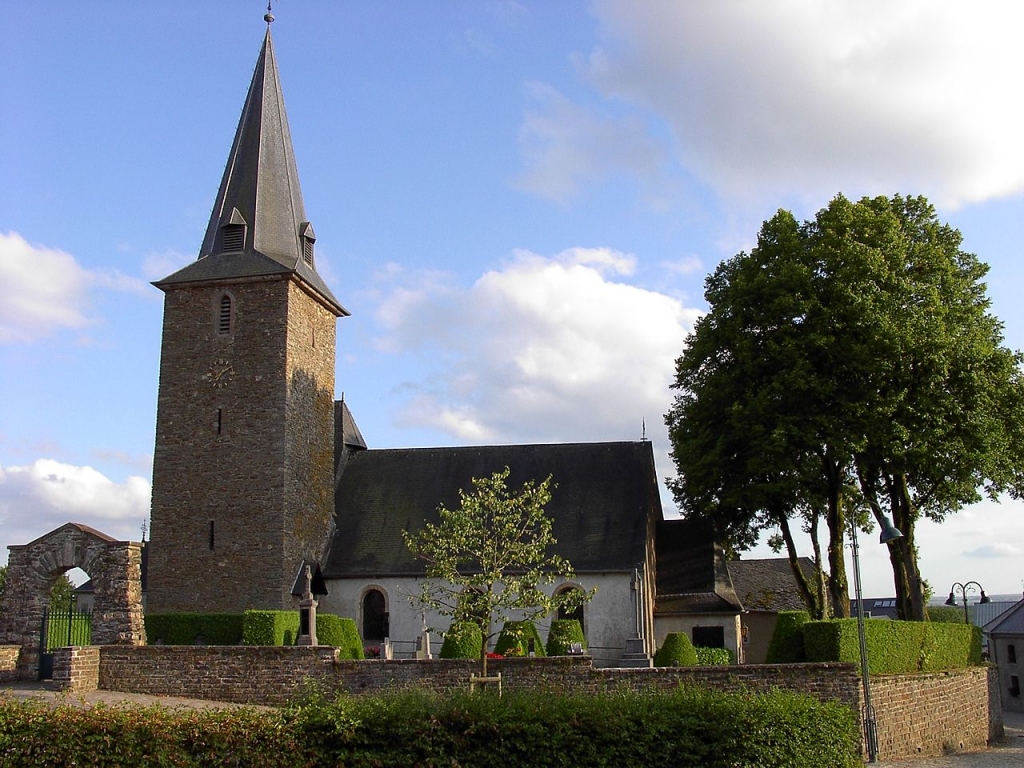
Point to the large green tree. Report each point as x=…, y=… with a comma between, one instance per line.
x=487, y=558
x=847, y=365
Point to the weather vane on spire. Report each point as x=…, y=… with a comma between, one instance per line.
x=269, y=17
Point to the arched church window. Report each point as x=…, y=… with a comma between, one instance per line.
x=575, y=613
x=375, y=616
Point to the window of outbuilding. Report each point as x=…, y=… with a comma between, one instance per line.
x=1014, y=685
x=1011, y=653
x=709, y=637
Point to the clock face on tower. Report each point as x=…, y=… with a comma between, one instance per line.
x=220, y=373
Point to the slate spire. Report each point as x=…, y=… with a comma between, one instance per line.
x=258, y=225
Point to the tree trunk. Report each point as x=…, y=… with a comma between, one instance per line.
x=838, y=586
x=819, y=576
x=905, y=519
x=809, y=597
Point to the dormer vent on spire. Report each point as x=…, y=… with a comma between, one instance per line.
x=308, y=239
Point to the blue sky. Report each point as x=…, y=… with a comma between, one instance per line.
x=517, y=201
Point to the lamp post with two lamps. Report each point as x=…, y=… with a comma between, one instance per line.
x=964, y=589
x=889, y=533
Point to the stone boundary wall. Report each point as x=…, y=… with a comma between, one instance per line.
x=917, y=715
x=9, y=663
x=76, y=669
x=936, y=713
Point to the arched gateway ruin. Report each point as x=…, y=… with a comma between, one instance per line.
x=115, y=568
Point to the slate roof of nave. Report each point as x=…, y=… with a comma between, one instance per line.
x=604, y=501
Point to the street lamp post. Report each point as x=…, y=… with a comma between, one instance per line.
x=964, y=589
x=889, y=533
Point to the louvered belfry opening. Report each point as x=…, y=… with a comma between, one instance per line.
x=234, y=237
x=224, y=319
x=307, y=251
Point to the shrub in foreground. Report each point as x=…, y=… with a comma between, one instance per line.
x=685, y=728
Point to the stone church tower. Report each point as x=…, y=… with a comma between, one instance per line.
x=243, y=476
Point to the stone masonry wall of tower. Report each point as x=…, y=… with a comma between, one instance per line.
x=242, y=470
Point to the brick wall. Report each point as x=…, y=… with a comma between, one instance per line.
x=935, y=713
x=76, y=669
x=922, y=715
x=9, y=663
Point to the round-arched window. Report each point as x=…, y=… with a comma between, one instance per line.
x=375, y=615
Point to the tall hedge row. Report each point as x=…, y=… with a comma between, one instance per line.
x=193, y=628
x=895, y=646
x=787, y=643
x=686, y=728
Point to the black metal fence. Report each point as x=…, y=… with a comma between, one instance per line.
x=60, y=628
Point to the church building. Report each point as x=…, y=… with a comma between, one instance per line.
x=258, y=471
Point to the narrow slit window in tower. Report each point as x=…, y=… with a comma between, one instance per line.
x=211, y=534
x=224, y=316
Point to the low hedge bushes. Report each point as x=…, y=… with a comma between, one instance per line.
x=677, y=651
x=895, y=646
x=562, y=634
x=340, y=633
x=462, y=641
x=686, y=728
x=517, y=637
x=271, y=627
x=714, y=657
x=194, y=628
x=251, y=628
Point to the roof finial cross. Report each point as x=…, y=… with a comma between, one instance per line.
x=269, y=17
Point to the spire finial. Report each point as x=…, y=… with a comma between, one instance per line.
x=269, y=17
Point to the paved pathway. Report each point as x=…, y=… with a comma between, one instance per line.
x=1008, y=754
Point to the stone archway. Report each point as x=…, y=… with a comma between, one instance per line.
x=115, y=568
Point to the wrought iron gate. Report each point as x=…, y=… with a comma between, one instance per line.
x=59, y=628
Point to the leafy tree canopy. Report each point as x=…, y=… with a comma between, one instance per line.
x=848, y=368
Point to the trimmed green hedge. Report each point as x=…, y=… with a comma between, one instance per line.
x=787, y=643
x=562, y=634
x=515, y=638
x=946, y=614
x=678, y=651
x=340, y=633
x=714, y=657
x=687, y=729
x=271, y=627
x=188, y=628
x=895, y=646
x=462, y=641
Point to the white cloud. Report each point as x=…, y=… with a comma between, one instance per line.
x=800, y=97
x=996, y=549
x=565, y=147
x=41, y=496
x=45, y=289
x=542, y=349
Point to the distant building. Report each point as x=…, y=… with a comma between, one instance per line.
x=1005, y=636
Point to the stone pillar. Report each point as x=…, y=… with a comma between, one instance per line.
x=307, y=613
x=76, y=669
